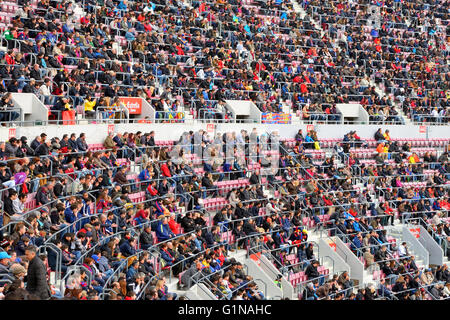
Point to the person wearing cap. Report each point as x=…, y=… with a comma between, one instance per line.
x=4, y=264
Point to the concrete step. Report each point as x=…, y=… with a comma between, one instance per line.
x=299, y=9
x=172, y=286
x=240, y=255
x=368, y=278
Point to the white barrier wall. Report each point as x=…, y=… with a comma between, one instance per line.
x=263, y=280
x=244, y=108
x=339, y=264
x=353, y=111
x=436, y=254
x=96, y=133
x=273, y=272
x=356, y=266
x=32, y=108
x=203, y=292
x=417, y=247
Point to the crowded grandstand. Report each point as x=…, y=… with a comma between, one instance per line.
x=224, y=150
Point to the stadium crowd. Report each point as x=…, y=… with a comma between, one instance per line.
x=127, y=230
x=190, y=59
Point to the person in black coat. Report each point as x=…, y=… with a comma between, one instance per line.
x=42, y=195
x=146, y=238
x=211, y=236
x=151, y=139
x=249, y=227
x=8, y=205
x=254, y=178
x=208, y=184
x=26, y=149
x=36, y=275
x=187, y=223
x=127, y=248
x=309, y=252
x=311, y=271
x=163, y=188
x=43, y=149
x=379, y=135
x=73, y=142
x=35, y=143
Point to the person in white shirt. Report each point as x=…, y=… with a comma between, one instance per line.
x=435, y=114
x=45, y=90
x=166, y=108
x=191, y=61
x=201, y=74
x=224, y=285
x=239, y=295
x=437, y=218
x=403, y=250
x=19, y=204
x=271, y=207
x=446, y=291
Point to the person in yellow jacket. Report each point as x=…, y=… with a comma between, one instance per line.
x=413, y=158
x=386, y=135
x=386, y=150
x=89, y=105
x=67, y=105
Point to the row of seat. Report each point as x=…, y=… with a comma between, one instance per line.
x=137, y=197
x=9, y=7
x=214, y=203
x=415, y=142
x=225, y=186
x=299, y=277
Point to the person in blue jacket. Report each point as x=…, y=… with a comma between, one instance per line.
x=355, y=226
x=166, y=255
x=214, y=266
x=286, y=225
x=356, y=242
x=309, y=142
x=132, y=271
x=122, y=6
x=383, y=291
x=163, y=231
x=70, y=215
x=127, y=248
x=144, y=175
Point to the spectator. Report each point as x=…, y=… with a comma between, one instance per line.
x=36, y=275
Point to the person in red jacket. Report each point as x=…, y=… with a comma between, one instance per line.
x=151, y=189
x=389, y=212
x=141, y=214
x=165, y=169
x=173, y=225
